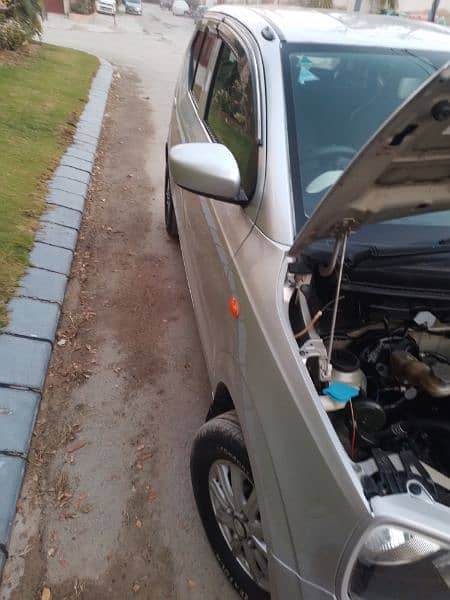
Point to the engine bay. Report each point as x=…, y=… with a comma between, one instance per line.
x=385, y=382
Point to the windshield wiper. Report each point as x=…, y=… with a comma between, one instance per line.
x=374, y=253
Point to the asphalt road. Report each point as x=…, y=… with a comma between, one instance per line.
x=107, y=509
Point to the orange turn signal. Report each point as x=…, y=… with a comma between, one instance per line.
x=233, y=306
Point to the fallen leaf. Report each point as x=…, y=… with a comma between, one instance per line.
x=25, y=551
x=66, y=516
x=61, y=342
x=64, y=499
x=152, y=496
x=191, y=583
x=136, y=587
x=46, y=594
x=62, y=560
x=75, y=447
x=138, y=523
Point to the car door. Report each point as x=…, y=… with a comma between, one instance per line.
x=187, y=126
x=214, y=230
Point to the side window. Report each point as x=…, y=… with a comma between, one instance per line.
x=201, y=71
x=231, y=113
x=195, y=53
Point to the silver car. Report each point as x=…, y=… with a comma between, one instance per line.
x=308, y=179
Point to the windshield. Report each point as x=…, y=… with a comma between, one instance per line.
x=337, y=98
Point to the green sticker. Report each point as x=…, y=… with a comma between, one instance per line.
x=305, y=74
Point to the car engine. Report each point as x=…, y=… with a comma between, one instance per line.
x=387, y=391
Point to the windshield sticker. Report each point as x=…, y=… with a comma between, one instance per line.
x=305, y=61
x=305, y=74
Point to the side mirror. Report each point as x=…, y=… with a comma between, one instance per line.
x=207, y=169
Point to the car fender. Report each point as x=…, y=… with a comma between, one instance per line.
x=228, y=373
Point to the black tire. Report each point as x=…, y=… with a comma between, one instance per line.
x=169, y=210
x=222, y=439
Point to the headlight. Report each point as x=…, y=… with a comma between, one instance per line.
x=397, y=564
x=391, y=546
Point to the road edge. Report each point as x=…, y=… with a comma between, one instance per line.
x=27, y=341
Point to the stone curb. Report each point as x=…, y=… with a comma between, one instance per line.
x=26, y=342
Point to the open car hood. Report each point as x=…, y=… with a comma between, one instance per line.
x=403, y=170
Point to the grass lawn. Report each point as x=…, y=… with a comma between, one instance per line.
x=42, y=92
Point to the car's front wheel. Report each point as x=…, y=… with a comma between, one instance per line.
x=226, y=499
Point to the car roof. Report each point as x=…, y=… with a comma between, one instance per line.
x=343, y=28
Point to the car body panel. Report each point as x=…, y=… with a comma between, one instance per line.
x=275, y=216
x=312, y=504
x=331, y=27
x=291, y=416
x=205, y=253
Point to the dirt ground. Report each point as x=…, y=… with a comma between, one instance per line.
x=106, y=510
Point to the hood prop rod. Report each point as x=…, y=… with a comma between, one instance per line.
x=340, y=242
x=327, y=270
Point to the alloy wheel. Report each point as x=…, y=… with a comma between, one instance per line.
x=235, y=505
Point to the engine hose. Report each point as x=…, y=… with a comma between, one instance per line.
x=403, y=428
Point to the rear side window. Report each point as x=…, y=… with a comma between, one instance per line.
x=195, y=53
x=231, y=114
x=201, y=70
